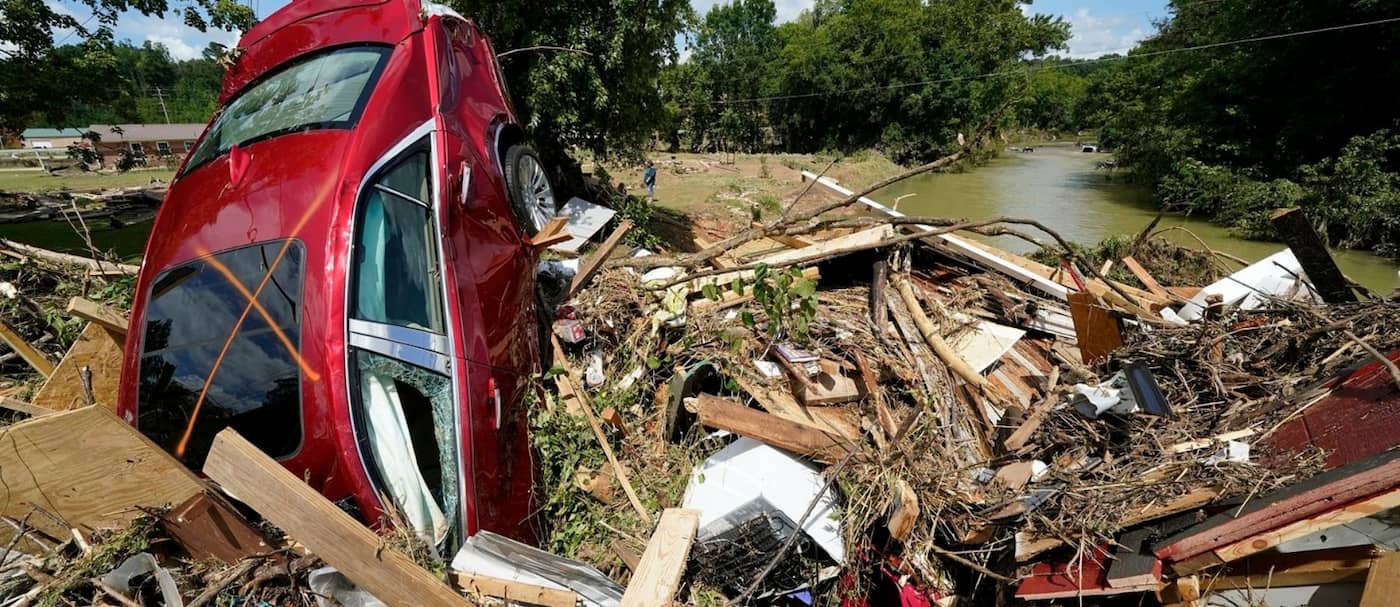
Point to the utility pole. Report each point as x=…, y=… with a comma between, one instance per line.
x=160, y=96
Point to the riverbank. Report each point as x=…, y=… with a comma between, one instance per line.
x=40, y=181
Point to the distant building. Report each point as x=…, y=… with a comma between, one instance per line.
x=148, y=142
x=50, y=139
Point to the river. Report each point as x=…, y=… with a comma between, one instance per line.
x=1060, y=186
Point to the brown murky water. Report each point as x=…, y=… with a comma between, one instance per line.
x=1062, y=188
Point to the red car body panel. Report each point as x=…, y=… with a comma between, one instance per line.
x=306, y=185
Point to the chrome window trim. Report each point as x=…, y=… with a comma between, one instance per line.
x=418, y=338
x=392, y=192
x=403, y=352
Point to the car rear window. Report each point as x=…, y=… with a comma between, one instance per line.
x=192, y=332
x=322, y=91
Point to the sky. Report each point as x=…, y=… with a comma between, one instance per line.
x=1098, y=26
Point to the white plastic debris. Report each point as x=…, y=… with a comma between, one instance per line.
x=8, y=290
x=139, y=564
x=1276, y=276
x=489, y=554
x=749, y=477
x=1110, y=395
x=768, y=368
x=1232, y=451
x=593, y=376
x=333, y=589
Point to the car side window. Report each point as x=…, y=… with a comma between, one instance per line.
x=396, y=276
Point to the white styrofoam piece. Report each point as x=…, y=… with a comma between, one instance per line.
x=1276, y=276
x=492, y=555
x=584, y=220
x=986, y=344
x=747, y=470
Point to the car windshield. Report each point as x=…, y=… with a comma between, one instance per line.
x=322, y=91
x=210, y=360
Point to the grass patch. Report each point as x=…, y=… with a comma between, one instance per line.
x=39, y=181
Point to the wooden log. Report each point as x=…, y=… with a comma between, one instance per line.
x=1296, y=231
x=940, y=346
x=87, y=467
x=65, y=258
x=1145, y=277
x=97, y=313
x=34, y=357
x=658, y=575
x=1383, y=583
x=101, y=352
x=599, y=256
x=719, y=413
x=513, y=592
x=284, y=500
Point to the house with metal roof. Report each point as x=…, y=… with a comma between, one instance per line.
x=47, y=138
x=147, y=142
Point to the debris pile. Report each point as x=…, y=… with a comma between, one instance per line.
x=843, y=406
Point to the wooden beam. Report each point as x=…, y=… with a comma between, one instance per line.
x=793, y=241
x=1308, y=526
x=839, y=421
x=32, y=410
x=851, y=242
x=101, y=352
x=552, y=234
x=1026, y=430
x=513, y=592
x=1296, y=231
x=97, y=313
x=89, y=468
x=565, y=382
x=1146, y=278
x=284, y=500
x=1286, y=570
x=596, y=259
x=722, y=414
x=659, y=573
x=35, y=358
x=1383, y=583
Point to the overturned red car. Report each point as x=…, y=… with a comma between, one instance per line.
x=341, y=270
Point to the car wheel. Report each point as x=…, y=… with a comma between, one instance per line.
x=527, y=184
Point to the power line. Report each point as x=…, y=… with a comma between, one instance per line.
x=1012, y=72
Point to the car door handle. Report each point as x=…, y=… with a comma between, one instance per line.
x=495, y=394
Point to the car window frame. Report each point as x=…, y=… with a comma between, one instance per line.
x=371, y=85
x=418, y=347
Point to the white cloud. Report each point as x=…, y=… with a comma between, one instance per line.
x=1092, y=36
x=787, y=10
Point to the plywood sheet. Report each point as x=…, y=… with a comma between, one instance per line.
x=100, y=350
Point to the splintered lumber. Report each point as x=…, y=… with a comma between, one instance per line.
x=552, y=234
x=1145, y=277
x=567, y=389
x=97, y=313
x=839, y=421
x=1095, y=326
x=721, y=261
x=35, y=358
x=1308, y=526
x=1026, y=430
x=857, y=241
x=716, y=412
x=1298, y=233
x=513, y=592
x=598, y=257
x=1383, y=584
x=904, y=510
x=940, y=346
x=279, y=496
x=100, y=351
x=658, y=575
x=788, y=240
x=87, y=467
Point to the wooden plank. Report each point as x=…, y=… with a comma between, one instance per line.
x=830, y=387
x=791, y=241
x=87, y=467
x=1132, y=565
x=1383, y=584
x=904, y=510
x=1095, y=327
x=833, y=420
x=101, y=351
x=1026, y=430
x=770, y=429
x=659, y=573
x=35, y=358
x=207, y=528
x=721, y=261
x=513, y=592
x=598, y=257
x=1284, y=570
x=1308, y=526
x=552, y=234
x=94, y=312
x=1147, y=280
x=293, y=506
x=15, y=404
x=565, y=382
x=857, y=241
x=1296, y=231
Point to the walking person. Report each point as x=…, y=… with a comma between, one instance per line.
x=649, y=180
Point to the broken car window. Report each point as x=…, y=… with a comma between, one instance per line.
x=255, y=386
x=324, y=91
x=395, y=273
x=407, y=429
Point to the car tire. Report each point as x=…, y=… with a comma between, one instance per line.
x=527, y=184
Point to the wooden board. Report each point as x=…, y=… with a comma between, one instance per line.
x=35, y=358
x=284, y=500
x=97, y=313
x=1145, y=277
x=15, y=404
x=1383, y=583
x=208, y=528
x=513, y=592
x=659, y=573
x=1284, y=570
x=1096, y=328
x=835, y=420
x=98, y=349
x=1069, y=577
x=87, y=467
x=1132, y=565
x=770, y=429
x=597, y=258
x=851, y=242
x=1308, y=526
